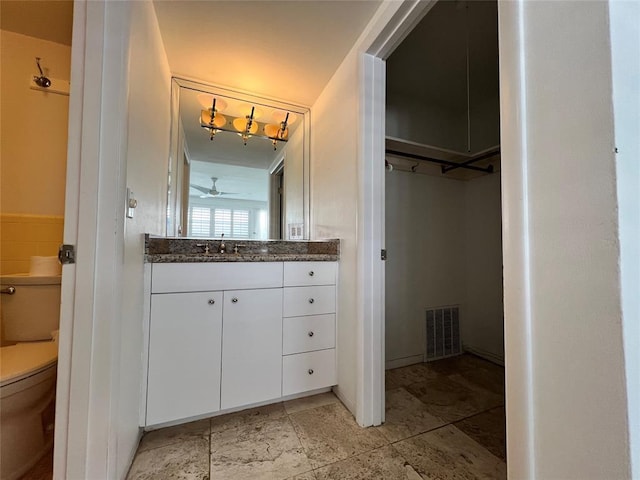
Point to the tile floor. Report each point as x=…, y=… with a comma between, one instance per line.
x=444, y=420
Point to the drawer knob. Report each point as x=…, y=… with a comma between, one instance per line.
x=311, y=371
x=211, y=301
x=234, y=300
x=311, y=273
x=311, y=300
x=310, y=334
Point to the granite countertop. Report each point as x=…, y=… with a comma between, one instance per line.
x=240, y=257
x=190, y=250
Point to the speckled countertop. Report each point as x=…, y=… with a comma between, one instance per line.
x=190, y=250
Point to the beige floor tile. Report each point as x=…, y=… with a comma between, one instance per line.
x=188, y=459
x=305, y=476
x=268, y=449
x=447, y=453
x=490, y=377
x=330, y=433
x=404, y=376
x=451, y=400
x=406, y=416
x=488, y=429
x=382, y=463
x=246, y=417
x=300, y=404
x=179, y=433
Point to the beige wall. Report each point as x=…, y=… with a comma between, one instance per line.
x=33, y=151
x=24, y=236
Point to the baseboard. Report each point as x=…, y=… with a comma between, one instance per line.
x=492, y=357
x=403, y=362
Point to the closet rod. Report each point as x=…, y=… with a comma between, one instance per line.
x=482, y=156
x=449, y=164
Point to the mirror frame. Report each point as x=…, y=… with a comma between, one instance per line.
x=175, y=174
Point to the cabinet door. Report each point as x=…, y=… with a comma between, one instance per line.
x=184, y=356
x=252, y=347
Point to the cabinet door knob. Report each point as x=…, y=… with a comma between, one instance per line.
x=311, y=371
x=311, y=300
x=234, y=300
x=311, y=273
x=310, y=334
x=211, y=301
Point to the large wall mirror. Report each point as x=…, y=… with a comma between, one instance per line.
x=239, y=165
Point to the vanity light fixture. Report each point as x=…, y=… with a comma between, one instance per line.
x=211, y=119
x=246, y=125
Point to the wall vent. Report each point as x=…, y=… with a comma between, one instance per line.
x=443, y=333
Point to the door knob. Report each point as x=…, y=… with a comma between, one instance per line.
x=311, y=300
x=234, y=300
x=310, y=334
x=211, y=301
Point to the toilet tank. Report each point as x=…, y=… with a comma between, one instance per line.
x=33, y=311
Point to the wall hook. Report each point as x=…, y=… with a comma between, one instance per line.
x=41, y=81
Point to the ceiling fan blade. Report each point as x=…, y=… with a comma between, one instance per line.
x=198, y=187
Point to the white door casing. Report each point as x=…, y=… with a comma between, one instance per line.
x=87, y=391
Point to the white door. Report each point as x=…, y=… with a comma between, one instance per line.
x=252, y=346
x=184, y=355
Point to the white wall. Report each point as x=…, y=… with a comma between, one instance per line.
x=443, y=239
x=566, y=396
x=624, y=18
x=294, y=180
x=482, y=318
x=334, y=198
x=147, y=163
x=427, y=124
x=425, y=267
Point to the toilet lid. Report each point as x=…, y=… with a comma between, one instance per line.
x=25, y=359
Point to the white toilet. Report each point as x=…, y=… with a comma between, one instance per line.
x=30, y=320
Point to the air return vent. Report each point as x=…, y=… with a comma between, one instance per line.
x=443, y=333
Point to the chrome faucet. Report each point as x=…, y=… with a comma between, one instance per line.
x=222, y=245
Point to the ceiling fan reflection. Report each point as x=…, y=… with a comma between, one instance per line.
x=211, y=192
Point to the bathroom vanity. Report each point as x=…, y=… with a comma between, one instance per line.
x=226, y=331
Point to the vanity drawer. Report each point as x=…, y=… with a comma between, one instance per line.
x=197, y=277
x=308, y=371
x=299, y=301
x=306, y=334
x=309, y=273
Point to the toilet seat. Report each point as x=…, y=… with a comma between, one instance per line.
x=24, y=360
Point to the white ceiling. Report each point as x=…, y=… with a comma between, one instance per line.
x=241, y=183
x=285, y=50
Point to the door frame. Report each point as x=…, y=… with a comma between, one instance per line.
x=87, y=387
x=379, y=42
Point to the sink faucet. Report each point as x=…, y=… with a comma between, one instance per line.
x=206, y=247
x=222, y=245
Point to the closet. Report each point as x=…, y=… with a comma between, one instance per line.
x=443, y=208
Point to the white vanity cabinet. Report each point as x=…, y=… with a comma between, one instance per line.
x=185, y=342
x=252, y=347
x=226, y=335
x=309, y=326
